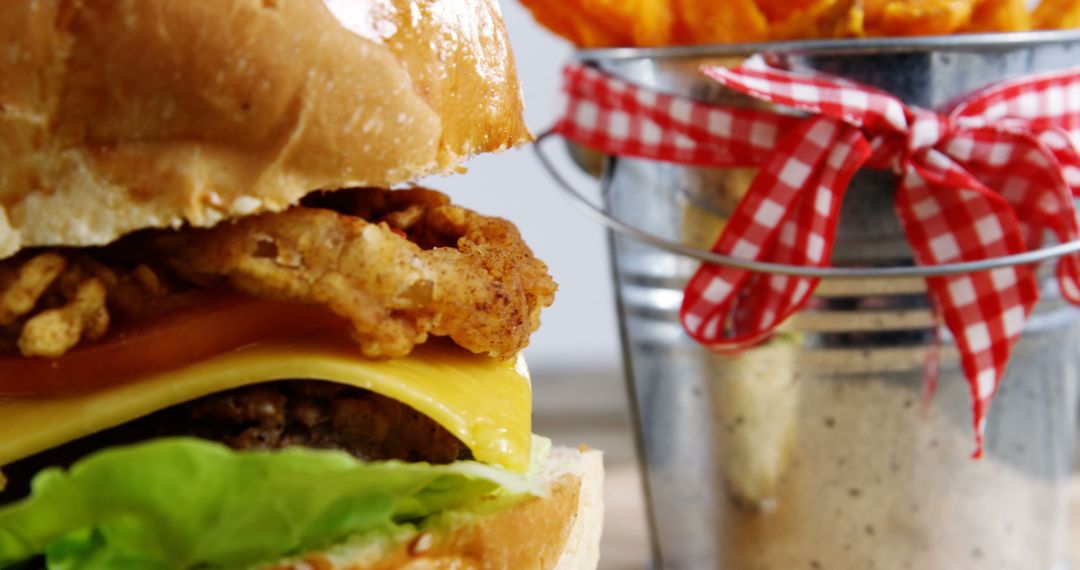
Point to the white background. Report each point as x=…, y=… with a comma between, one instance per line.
x=579, y=331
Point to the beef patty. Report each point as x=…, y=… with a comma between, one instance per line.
x=276, y=415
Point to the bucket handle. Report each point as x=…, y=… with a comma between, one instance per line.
x=610, y=221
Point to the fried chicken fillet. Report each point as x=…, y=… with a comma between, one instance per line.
x=398, y=265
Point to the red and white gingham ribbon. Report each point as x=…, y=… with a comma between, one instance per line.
x=984, y=180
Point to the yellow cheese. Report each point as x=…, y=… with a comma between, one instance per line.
x=484, y=402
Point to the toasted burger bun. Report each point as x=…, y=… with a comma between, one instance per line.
x=558, y=532
x=118, y=116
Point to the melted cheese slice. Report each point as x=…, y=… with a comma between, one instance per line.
x=485, y=403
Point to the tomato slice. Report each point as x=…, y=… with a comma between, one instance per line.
x=225, y=323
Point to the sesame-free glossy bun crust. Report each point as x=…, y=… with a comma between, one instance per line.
x=122, y=115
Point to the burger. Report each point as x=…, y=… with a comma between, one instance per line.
x=233, y=334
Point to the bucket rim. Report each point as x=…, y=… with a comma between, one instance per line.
x=606, y=218
x=855, y=46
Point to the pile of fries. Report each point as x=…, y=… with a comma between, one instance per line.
x=645, y=23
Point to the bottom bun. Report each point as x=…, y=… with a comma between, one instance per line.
x=560, y=531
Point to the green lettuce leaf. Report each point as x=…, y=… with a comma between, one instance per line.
x=188, y=503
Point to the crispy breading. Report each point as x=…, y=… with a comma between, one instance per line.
x=50, y=302
x=53, y=332
x=53, y=300
x=399, y=265
x=22, y=285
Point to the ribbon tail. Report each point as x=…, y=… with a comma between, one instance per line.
x=1032, y=174
x=806, y=239
x=788, y=215
x=986, y=311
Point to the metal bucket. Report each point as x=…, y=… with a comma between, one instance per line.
x=816, y=450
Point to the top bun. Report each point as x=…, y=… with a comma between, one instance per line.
x=118, y=116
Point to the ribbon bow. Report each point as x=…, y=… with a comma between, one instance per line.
x=984, y=180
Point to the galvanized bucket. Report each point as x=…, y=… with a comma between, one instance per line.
x=816, y=450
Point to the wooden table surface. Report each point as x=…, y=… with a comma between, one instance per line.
x=625, y=544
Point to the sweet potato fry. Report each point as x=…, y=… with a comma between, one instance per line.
x=1000, y=16
x=782, y=10
x=720, y=22
x=1056, y=14
x=569, y=20
x=555, y=17
x=655, y=23
x=828, y=19
x=642, y=22
x=918, y=17
x=647, y=23
x=614, y=13
x=874, y=11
